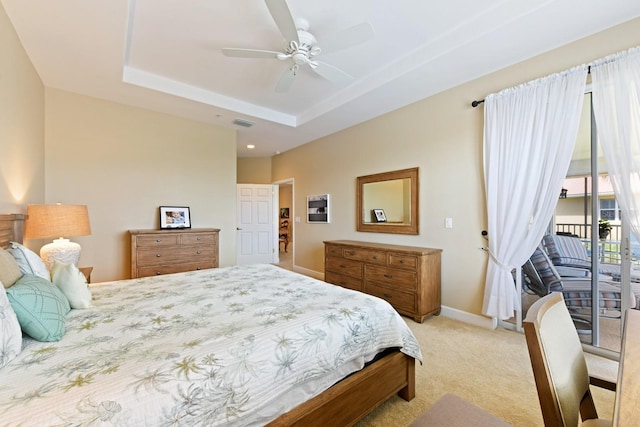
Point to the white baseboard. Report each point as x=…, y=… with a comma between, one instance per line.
x=312, y=273
x=453, y=313
x=474, y=319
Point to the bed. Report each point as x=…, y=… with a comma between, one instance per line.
x=242, y=345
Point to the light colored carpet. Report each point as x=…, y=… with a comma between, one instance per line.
x=490, y=368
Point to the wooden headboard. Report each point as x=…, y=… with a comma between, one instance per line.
x=11, y=228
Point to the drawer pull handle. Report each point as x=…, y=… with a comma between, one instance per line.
x=197, y=268
x=343, y=266
x=157, y=255
x=401, y=261
x=158, y=240
x=375, y=257
x=198, y=238
x=158, y=273
x=389, y=296
x=198, y=252
x=388, y=276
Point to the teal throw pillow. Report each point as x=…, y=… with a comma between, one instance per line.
x=40, y=306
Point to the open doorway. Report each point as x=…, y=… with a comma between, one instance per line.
x=286, y=221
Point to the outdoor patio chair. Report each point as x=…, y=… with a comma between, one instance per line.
x=542, y=278
x=570, y=258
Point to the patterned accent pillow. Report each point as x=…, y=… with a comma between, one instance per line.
x=72, y=283
x=28, y=261
x=40, y=306
x=10, y=332
x=9, y=269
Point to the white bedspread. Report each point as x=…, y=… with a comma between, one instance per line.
x=229, y=346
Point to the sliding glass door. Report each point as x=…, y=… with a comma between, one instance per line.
x=588, y=212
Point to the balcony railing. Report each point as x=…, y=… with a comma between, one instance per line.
x=609, y=248
x=583, y=231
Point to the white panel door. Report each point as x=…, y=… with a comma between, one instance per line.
x=255, y=235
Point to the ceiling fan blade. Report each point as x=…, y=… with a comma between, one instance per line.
x=282, y=16
x=333, y=74
x=347, y=38
x=286, y=80
x=249, y=53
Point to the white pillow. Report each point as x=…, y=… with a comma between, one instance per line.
x=28, y=261
x=10, y=332
x=72, y=283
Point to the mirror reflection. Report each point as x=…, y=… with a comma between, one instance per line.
x=388, y=202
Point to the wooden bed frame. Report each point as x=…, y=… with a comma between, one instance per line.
x=344, y=404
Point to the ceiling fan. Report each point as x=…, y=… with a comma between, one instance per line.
x=301, y=47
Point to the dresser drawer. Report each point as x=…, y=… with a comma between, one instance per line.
x=392, y=276
x=366, y=255
x=401, y=301
x=344, y=281
x=334, y=251
x=154, y=240
x=178, y=254
x=403, y=261
x=344, y=266
x=174, y=268
x=196, y=239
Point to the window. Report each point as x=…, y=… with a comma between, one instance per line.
x=609, y=210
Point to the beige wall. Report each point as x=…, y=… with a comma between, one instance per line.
x=125, y=162
x=21, y=125
x=442, y=135
x=122, y=162
x=254, y=170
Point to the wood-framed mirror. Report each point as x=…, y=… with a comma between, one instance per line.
x=388, y=202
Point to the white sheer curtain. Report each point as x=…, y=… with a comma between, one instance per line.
x=616, y=106
x=529, y=135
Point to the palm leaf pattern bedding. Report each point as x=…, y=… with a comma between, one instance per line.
x=229, y=346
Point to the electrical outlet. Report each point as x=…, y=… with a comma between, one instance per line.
x=448, y=223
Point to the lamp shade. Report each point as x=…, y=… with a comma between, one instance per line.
x=54, y=221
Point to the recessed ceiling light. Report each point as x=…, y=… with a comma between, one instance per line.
x=251, y=146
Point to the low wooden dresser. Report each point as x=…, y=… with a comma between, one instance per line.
x=407, y=277
x=155, y=252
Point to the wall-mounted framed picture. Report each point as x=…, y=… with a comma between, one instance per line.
x=318, y=209
x=379, y=215
x=175, y=217
x=284, y=213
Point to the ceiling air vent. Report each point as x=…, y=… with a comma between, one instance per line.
x=244, y=123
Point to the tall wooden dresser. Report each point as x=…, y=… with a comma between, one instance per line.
x=407, y=277
x=155, y=252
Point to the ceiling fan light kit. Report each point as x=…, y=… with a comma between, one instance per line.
x=302, y=46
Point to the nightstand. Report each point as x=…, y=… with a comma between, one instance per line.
x=87, y=272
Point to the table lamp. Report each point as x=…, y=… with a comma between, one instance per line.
x=58, y=222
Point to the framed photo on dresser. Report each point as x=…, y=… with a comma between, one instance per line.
x=175, y=217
